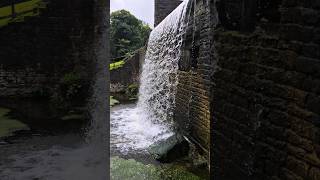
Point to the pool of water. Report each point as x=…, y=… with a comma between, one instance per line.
x=62, y=157
x=130, y=139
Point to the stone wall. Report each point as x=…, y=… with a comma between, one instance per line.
x=122, y=77
x=266, y=95
x=193, y=94
x=248, y=92
x=163, y=8
x=45, y=56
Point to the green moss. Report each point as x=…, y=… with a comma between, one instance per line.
x=122, y=169
x=132, y=91
x=70, y=78
x=113, y=101
x=68, y=91
x=116, y=65
x=22, y=9
x=8, y=125
x=72, y=117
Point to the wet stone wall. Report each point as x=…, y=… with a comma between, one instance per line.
x=266, y=95
x=192, y=113
x=128, y=74
x=248, y=92
x=163, y=8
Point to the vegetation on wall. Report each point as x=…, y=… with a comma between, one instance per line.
x=71, y=85
x=127, y=33
x=132, y=91
x=21, y=10
x=116, y=65
x=69, y=90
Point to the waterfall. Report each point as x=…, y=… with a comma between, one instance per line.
x=136, y=128
x=159, y=73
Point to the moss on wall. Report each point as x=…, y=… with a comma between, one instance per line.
x=21, y=10
x=116, y=65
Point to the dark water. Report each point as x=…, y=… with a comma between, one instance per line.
x=46, y=152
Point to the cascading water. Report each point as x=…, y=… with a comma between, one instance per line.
x=159, y=73
x=136, y=128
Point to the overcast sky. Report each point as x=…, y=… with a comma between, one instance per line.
x=142, y=9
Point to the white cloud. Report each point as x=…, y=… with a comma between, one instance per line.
x=142, y=9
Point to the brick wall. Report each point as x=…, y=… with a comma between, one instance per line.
x=193, y=93
x=251, y=96
x=266, y=95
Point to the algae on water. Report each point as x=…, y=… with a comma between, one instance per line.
x=8, y=125
x=122, y=169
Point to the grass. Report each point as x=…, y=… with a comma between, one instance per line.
x=8, y=125
x=122, y=169
x=116, y=65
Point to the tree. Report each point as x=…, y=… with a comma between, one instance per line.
x=127, y=33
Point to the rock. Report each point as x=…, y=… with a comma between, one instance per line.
x=3, y=143
x=170, y=149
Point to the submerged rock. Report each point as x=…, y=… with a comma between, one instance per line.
x=170, y=149
x=113, y=101
x=8, y=125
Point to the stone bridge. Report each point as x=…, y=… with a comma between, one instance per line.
x=48, y=54
x=249, y=88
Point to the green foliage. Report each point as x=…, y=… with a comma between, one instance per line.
x=8, y=125
x=132, y=91
x=71, y=83
x=133, y=170
x=113, y=101
x=70, y=78
x=116, y=65
x=72, y=117
x=127, y=33
x=68, y=90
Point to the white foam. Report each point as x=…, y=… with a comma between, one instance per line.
x=132, y=131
